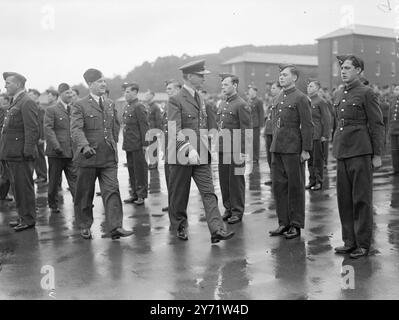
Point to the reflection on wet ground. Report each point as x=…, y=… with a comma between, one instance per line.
x=154, y=264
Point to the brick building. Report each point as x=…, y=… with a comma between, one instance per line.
x=375, y=45
x=261, y=68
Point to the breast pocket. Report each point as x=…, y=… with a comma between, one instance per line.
x=92, y=122
x=290, y=113
x=189, y=119
x=14, y=119
x=62, y=122
x=357, y=108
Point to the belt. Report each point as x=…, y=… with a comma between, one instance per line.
x=348, y=122
x=287, y=124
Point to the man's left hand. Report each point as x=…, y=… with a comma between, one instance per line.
x=305, y=156
x=377, y=163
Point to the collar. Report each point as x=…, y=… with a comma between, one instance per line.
x=232, y=97
x=96, y=98
x=18, y=94
x=133, y=102
x=290, y=90
x=63, y=104
x=190, y=90
x=314, y=97
x=353, y=84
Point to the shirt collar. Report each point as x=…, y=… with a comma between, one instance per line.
x=190, y=90
x=18, y=94
x=353, y=84
x=232, y=97
x=96, y=98
x=63, y=103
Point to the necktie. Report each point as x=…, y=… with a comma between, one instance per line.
x=197, y=98
x=69, y=109
x=100, y=103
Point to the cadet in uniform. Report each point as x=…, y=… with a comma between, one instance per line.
x=394, y=129
x=4, y=174
x=172, y=88
x=135, y=128
x=59, y=149
x=95, y=130
x=190, y=158
x=291, y=145
x=321, y=133
x=18, y=147
x=233, y=114
x=357, y=145
x=275, y=90
x=258, y=115
x=154, y=118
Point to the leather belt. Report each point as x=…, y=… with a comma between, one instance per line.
x=348, y=122
x=286, y=124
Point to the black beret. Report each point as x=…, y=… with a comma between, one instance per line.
x=356, y=61
x=17, y=76
x=92, y=75
x=132, y=85
x=196, y=67
x=63, y=87
x=283, y=66
x=52, y=91
x=34, y=91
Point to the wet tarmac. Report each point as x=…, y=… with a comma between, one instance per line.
x=154, y=264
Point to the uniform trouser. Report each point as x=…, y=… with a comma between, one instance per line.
x=56, y=166
x=40, y=162
x=354, y=193
x=21, y=176
x=232, y=186
x=325, y=146
x=395, y=152
x=289, y=189
x=138, y=173
x=316, y=163
x=269, y=139
x=109, y=186
x=256, y=143
x=179, y=191
x=4, y=180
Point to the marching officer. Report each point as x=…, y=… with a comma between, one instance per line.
x=172, y=88
x=59, y=149
x=189, y=157
x=394, y=129
x=95, y=130
x=258, y=115
x=321, y=133
x=18, y=147
x=233, y=114
x=357, y=145
x=291, y=145
x=135, y=128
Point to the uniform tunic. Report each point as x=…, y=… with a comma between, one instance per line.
x=394, y=133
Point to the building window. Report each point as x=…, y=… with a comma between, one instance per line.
x=361, y=46
x=335, y=69
x=335, y=47
x=378, y=71
x=393, y=69
x=378, y=51
x=393, y=48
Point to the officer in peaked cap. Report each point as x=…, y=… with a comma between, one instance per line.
x=191, y=159
x=357, y=145
x=233, y=115
x=95, y=130
x=18, y=141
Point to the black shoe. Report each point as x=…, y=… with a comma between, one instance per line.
x=130, y=200
x=14, y=223
x=310, y=185
x=23, y=226
x=165, y=209
x=268, y=183
x=234, y=219
x=55, y=210
x=221, y=235
x=181, y=233
x=139, y=202
x=292, y=233
x=358, y=253
x=279, y=231
x=86, y=234
x=344, y=250
x=119, y=233
x=226, y=215
x=316, y=187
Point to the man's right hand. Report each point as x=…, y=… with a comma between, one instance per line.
x=88, y=152
x=193, y=157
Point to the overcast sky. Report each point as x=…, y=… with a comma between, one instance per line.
x=53, y=41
